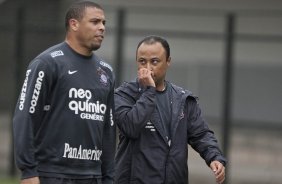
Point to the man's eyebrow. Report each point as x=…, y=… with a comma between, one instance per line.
x=155, y=57
x=98, y=19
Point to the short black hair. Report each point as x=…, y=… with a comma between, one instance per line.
x=154, y=39
x=76, y=11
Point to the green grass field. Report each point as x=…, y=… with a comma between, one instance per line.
x=9, y=181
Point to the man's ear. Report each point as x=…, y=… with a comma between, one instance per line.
x=168, y=61
x=73, y=24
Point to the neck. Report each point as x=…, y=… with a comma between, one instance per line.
x=161, y=87
x=78, y=49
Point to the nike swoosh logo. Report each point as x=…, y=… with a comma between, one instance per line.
x=72, y=72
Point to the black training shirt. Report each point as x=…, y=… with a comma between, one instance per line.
x=63, y=124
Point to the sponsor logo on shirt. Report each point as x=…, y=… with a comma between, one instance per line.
x=106, y=65
x=81, y=153
x=82, y=105
x=150, y=126
x=36, y=91
x=111, y=117
x=57, y=53
x=72, y=72
x=23, y=92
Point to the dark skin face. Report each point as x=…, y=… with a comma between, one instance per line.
x=86, y=35
x=152, y=65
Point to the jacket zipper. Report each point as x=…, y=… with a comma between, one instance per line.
x=167, y=157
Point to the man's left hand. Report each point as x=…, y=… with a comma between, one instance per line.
x=218, y=170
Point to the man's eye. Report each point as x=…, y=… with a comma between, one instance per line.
x=155, y=61
x=142, y=62
x=97, y=22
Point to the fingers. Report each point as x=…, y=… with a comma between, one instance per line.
x=220, y=176
x=218, y=170
x=145, y=77
x=144, y=72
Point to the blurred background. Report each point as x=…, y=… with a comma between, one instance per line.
x=227, y=52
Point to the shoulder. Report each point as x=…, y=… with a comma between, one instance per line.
x=53, y=52
x=104, y=64
x=180, y=89
x=185, y=92
x=46, y=60
x=128, y=87
x=105, y=67
x=132, y=91
x=49, y=54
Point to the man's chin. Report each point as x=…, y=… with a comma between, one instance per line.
x=96, y=47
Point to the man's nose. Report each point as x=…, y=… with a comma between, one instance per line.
x=102, y=27
x=149, y=66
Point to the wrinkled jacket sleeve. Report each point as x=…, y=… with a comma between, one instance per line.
x=132, y=114
x=27, y=116
x=109, y=142
x=200, y=137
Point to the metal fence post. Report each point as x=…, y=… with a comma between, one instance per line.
x=19, y=42
x=119, y=45
x=227, y=87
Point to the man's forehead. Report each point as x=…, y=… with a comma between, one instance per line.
x=155, y=47
x=94, y=12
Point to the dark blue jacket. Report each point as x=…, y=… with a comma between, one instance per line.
x=145, y=155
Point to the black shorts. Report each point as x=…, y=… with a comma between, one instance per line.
x=49, y=180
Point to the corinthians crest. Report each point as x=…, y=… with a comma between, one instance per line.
x=103, y=76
